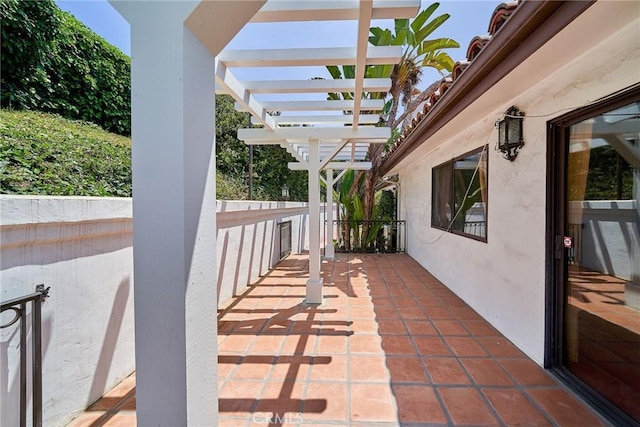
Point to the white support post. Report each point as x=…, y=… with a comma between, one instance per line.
x=174, y=217
x=328, y=249
x=314, y=283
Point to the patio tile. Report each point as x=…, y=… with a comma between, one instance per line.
x=298, y=344
x=120, y=420
x=332, y=344
x=439, y=313
x=486, y=372
x=236, y=344
x=371, y=344
x=281, y=398
x=465, y=313
x=446, y=371
x=368, y=368
x=364, y=326
x=450, y=327
x=514, y=408
x=441, y=364
x=393, y=344
x=418, y=404
x=465, y=406
x=465, y=346
x=481, y=328
x=326, y=401
x=292, y=368
x=420, y=327
x=564, y=408
x=391, y=327
x=526, y=372
x=413, y=313
x=385, y=312
x=254, y=367
x=238, y=397
x=267, y=344
x=406, y=369
x=431, y=346
x=500, y=347
x=332, y=367
x=86, y=419
x=372, y=402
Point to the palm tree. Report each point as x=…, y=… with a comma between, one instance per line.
x=419, y=52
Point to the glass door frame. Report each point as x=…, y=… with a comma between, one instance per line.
x=556, y=255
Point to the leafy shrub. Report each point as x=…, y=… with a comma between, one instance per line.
x=52, y=62
x=45, y=154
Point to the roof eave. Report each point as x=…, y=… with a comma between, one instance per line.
x=531, y=25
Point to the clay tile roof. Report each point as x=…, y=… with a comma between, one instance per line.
x=458, y=68
x=500, y=15
x=498, y=18
x=476, y=45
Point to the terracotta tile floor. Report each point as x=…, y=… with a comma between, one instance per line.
x=390, y=346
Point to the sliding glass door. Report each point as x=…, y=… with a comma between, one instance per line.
x=598, y=247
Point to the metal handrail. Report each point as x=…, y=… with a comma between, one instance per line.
x=19, y=307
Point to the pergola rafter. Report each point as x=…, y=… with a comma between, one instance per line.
x=319, y=134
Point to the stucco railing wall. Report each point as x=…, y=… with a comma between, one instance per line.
x=82, y=248
x=248, y=243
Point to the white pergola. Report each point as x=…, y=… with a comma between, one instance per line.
x=318, y=134
x=178, y=62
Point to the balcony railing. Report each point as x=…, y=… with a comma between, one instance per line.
x=370, y=236
x=19, y=308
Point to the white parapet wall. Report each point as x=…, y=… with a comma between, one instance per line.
x=248, y=240
x=82, y=248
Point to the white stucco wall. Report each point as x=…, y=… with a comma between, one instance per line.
x=504, y=279
x=81, y=248
x=248, y=243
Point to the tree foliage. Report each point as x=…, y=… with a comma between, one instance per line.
x=51, y=62
x=403, y=98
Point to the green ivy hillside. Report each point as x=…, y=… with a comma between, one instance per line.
x=43, y=153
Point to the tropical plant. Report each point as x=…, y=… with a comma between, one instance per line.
x=419, y=51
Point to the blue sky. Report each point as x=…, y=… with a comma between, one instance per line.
x=468, y=19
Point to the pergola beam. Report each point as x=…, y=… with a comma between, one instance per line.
x=342, y=105
x=344, y=119
x=332, y=154
x=316, y=85
x=278, y=135
x=364, y=20
x=331, y=10
x=226, y=79
x=332, y=165
x=376, y=55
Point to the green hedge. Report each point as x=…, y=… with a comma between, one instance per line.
x=52, y=62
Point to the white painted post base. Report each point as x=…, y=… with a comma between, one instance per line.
x=314, y=291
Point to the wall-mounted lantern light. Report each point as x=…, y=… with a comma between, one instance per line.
x=285, y=192
x=510, y=138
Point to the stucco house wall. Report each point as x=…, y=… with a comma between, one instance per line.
x=504, y=278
